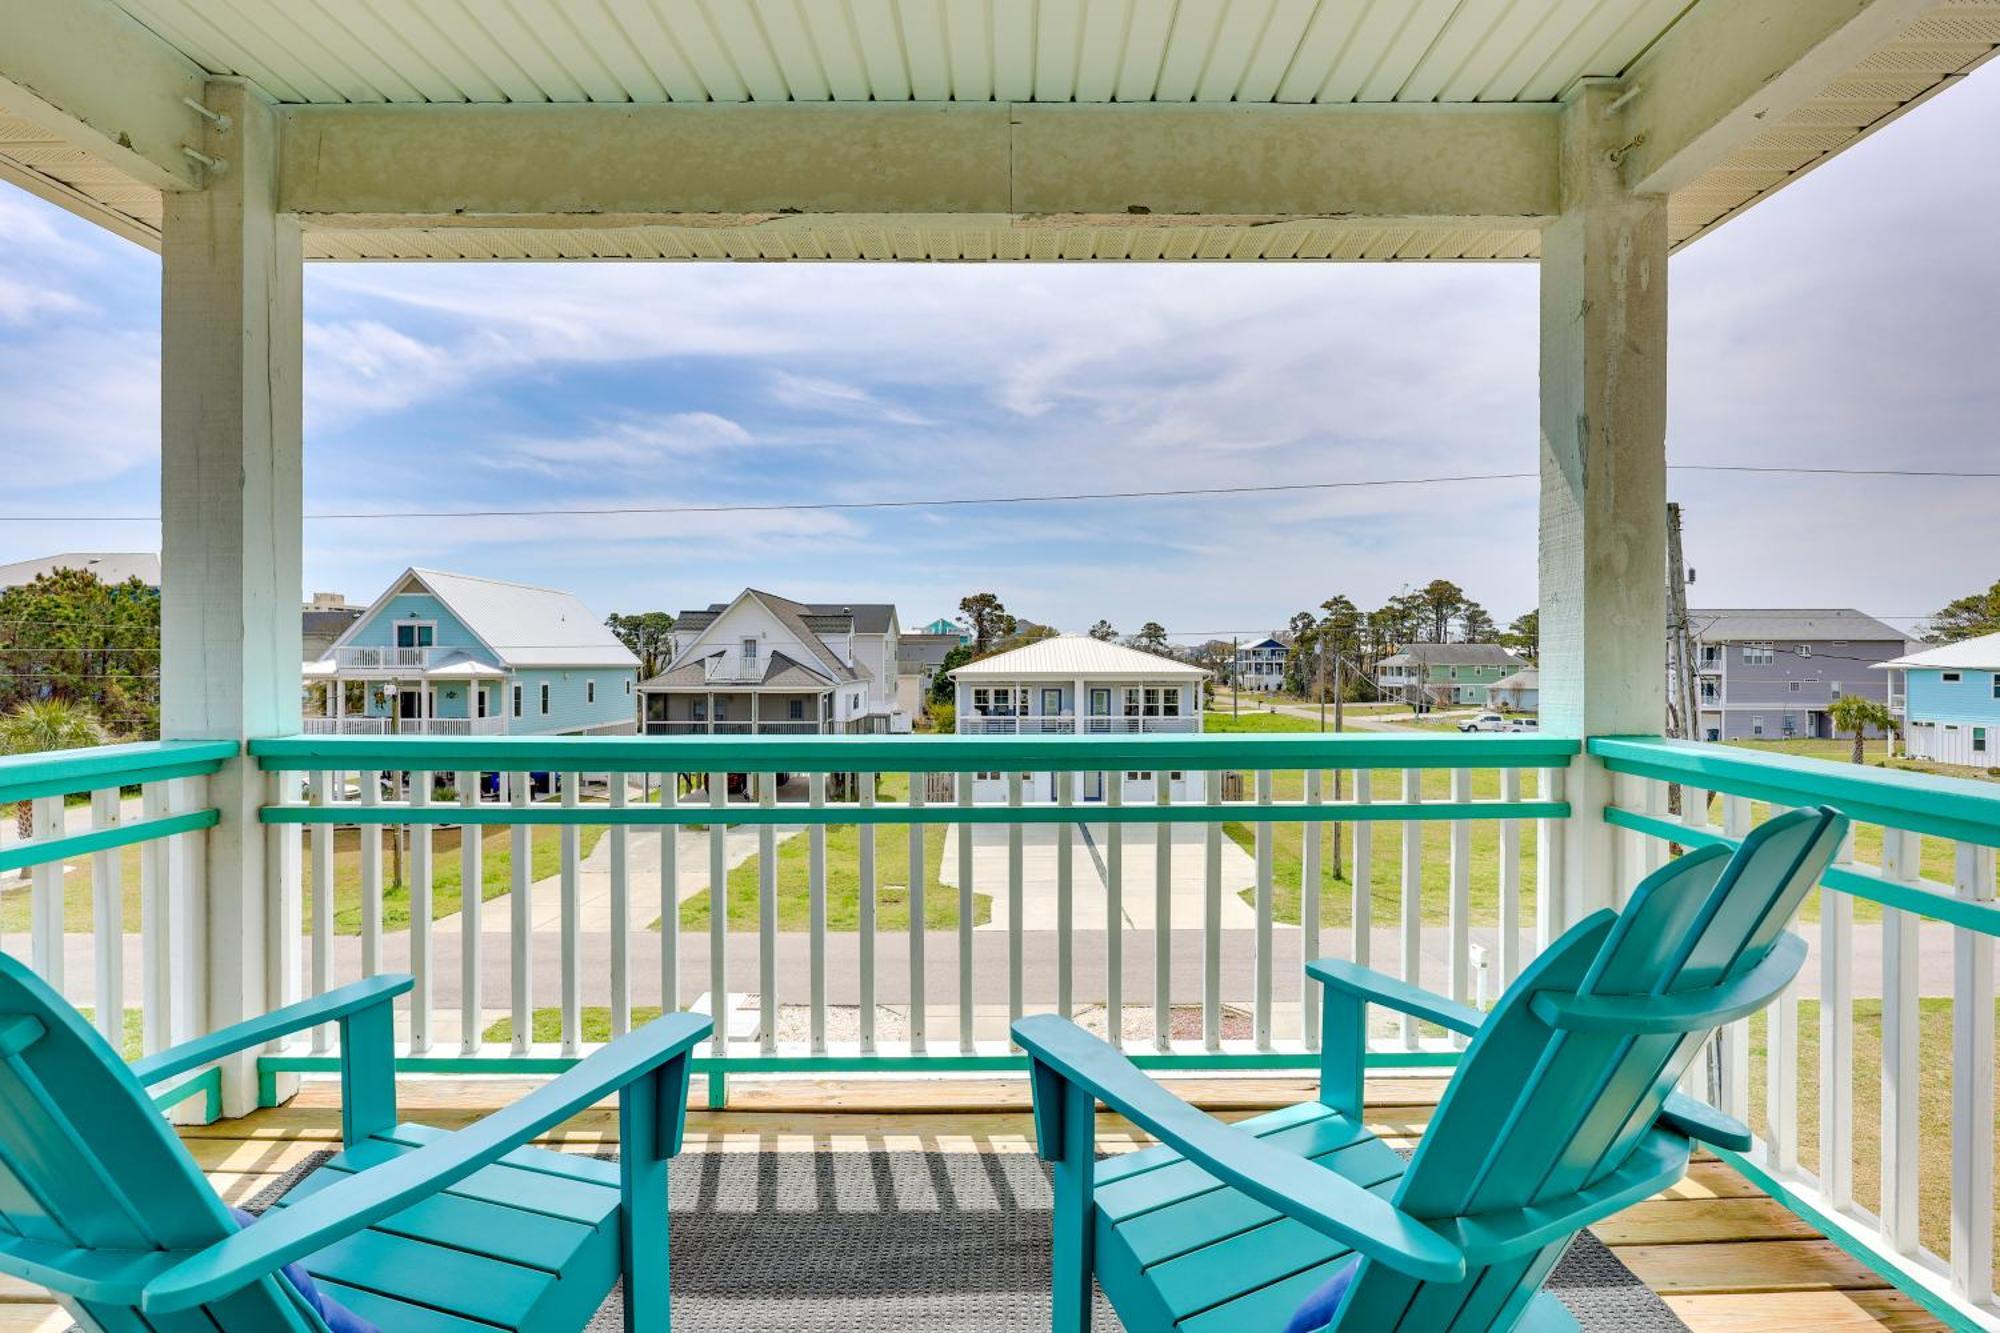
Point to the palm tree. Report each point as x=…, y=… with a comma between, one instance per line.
x=48, y=725
x=1857, y=713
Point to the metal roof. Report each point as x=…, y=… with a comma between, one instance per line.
x=1073, y=655
x=109, y=566
x=1732, y=624
x=1530, y=679
x=1454, y=654
x=1236, y=52
x=1980, y=654
x=525, y=625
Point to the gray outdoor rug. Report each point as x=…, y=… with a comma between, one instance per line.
x=913, y=1242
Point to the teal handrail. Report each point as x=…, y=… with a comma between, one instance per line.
x=906, y=754
x=25, y=777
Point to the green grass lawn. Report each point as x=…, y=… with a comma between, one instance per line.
x=1223, y=722
x=843, y=880
x=496, y=872
x=1385, y=876
x=546, y=1024
x=1933, y=1106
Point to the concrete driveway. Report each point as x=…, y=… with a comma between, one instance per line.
x=1187, y=867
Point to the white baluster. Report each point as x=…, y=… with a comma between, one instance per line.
x=718, y=912
x=572, y=918
x=1972, y=1086
x=1163, y=910
x=816, y=907
x=1065, y=898
x=621, y=913
x=521, y=917
x=914, y=895
x=1510, y=884
x=107, y=894
x=1413, y=896
x=670, y=898
x=767, y=916
x=1309, y=892
x=45, y=933
x=371, y=876
x=1902, y=1070
x=1460, y=909
x=1836, y=1035
x=420, y=891
x=1015, y=907
x=1266, y=895
x=1114, y=911
x=324, y=789
x=471, y=918
x=1361, y=875
x=962, y=789
x=865, y=870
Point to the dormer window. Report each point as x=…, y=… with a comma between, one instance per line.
x=749, y=650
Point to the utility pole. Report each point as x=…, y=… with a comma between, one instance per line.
x=1684, y=719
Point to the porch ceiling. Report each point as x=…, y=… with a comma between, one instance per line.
x=956, y=129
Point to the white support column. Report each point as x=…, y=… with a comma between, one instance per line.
x=1603, y=464
x=231, y=505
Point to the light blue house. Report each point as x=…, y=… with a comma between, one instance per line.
x=1951, y=702
x=455, y=654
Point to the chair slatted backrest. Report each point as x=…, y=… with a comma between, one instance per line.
x=87, y=1162
x=1536, y=1113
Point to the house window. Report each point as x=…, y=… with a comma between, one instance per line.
x=987, y=777
x=1805, y=650
x=545, y=698
x=1948, y=677
x=628, y=688
x=1833, y=687
x=722, y=710
x=590, y=691
x=517, y=701
x=479, y=700
x=749, y=650
x=797, y=711
x=1757, y=654
x=1757, y=726
x=698, y=709
x=1996, y=684
x=1979, y=740
x=1794, y=686
x=415, y=634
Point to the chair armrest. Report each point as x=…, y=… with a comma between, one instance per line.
x=115, y=1277
x=1703, y=1122
x=1323, y=1200
x=1378, y=988
x=368, y=1196
x=339, y=1003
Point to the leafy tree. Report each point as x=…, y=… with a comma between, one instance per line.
x=1966, y=617
x=1441, y=602
x=1151, y=638
x=989, y=620
x=49, y=724
x=941, y=684
x=1524, y=635
x=1103, y=632
x=1857, y=713
x=1475, y=625
x=71, y=637
x=649, y=636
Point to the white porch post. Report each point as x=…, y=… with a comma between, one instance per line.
x=1603, y=465
x=231, y=514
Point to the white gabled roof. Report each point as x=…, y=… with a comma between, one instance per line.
x=524, y=625
x=1980, y=654
x=1073, y=655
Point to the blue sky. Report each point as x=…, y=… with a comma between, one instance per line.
x=1850, y=321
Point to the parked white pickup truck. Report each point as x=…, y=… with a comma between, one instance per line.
x=1497, y=722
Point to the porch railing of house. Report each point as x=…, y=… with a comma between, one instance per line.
x=408, y=726
x=1870, y=1084
x=1067, y=724
x=694, y=727
x=364, y=658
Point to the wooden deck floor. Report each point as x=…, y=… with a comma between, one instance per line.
x=1726, y=1258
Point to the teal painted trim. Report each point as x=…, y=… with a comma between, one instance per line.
x=1343, y=812
x=23, y=777
x=1897, y=1272
x=208, y=1081
x=1956, y=808
x=103, y=840
x=1975, y=916
x=269, y=1066
x=907, y=754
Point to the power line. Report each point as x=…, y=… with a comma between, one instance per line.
x=943, y=502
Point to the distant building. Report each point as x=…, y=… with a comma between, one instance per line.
x=1518, y=693
x=112, y=567
x=918, y=659
x=1072, y=684
x=455, y=655
x=1260, y=666
x=765, y=664
x=943, y=628
x=1951, y=701
x=323, y=620
x=1772, y=673
x=1444, y=674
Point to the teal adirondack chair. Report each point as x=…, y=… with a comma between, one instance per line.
x=409, y=1227
x=1560, y=1113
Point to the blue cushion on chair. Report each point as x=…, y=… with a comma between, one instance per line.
x=1318, y=1311
x=337, y=1316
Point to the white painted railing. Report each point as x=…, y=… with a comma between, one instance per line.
x=347, y=726
x=1148, y=908
x=1902, y=969
x=360, y=658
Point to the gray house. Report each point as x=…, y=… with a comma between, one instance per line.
x=1773, y=673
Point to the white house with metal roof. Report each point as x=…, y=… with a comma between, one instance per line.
x=1260, y=666
x=1950, y=701
x=1771, y=673
x=1071, y=684
x=765, y=664
x=457, y=655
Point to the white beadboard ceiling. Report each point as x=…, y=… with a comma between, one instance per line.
x=1094, y=51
